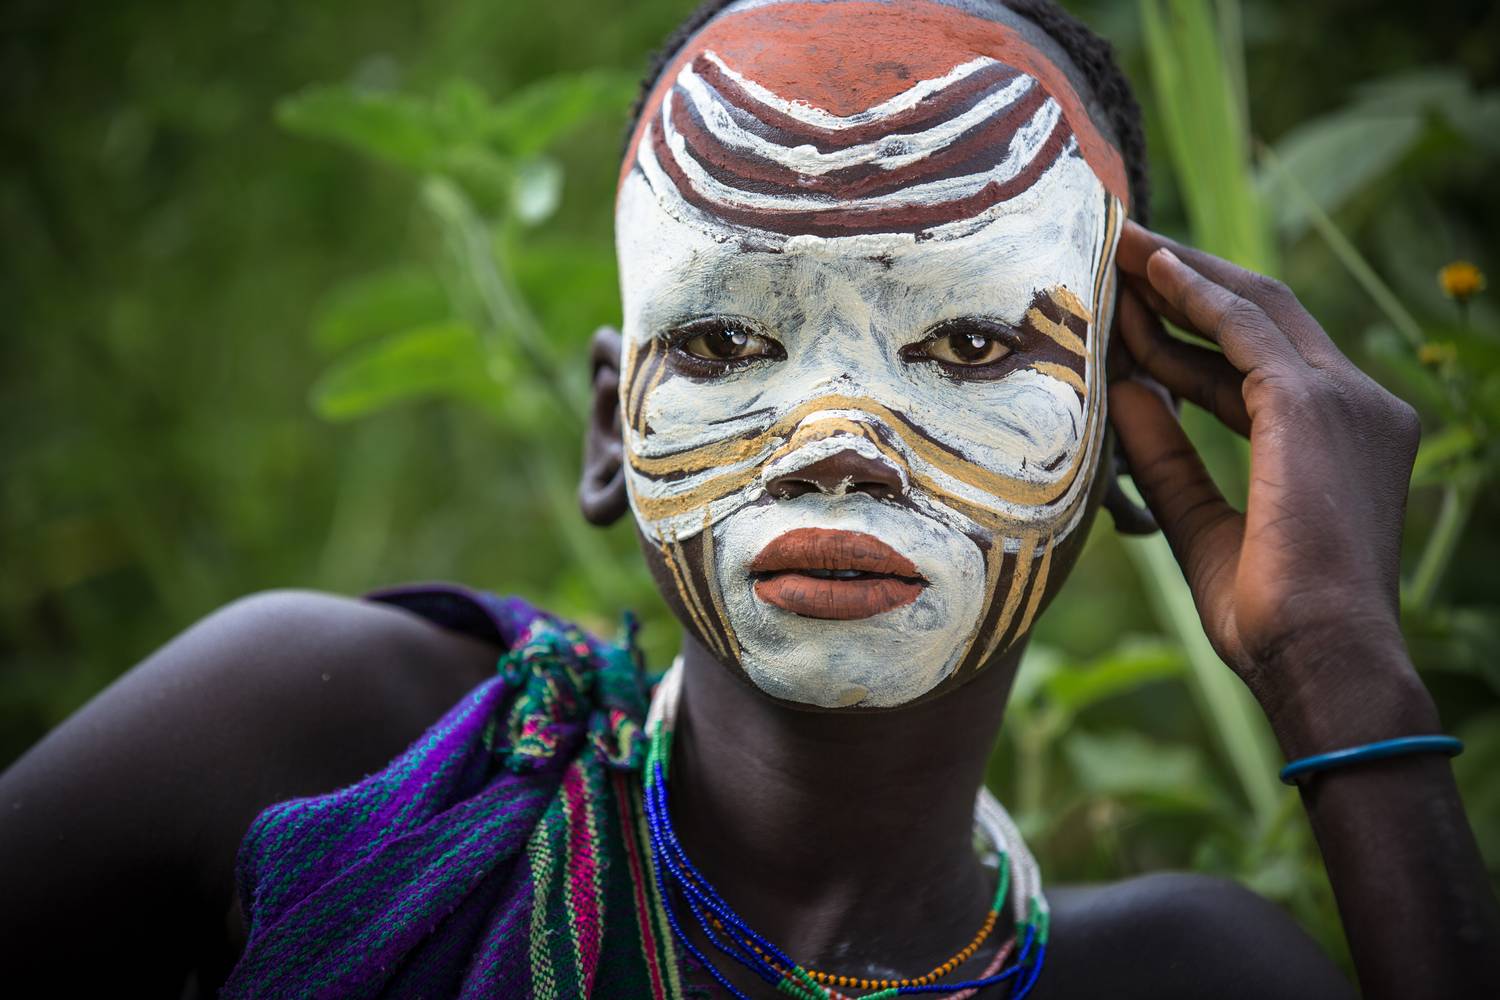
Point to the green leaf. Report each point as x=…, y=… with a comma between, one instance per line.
x=376, y=305
x=441, y=360
x=1126, y=764
x=1479, y=122
x=1335, y=157
x=1419, y=384
x=1418, y=90
x=1207, y=135
x=390, y=127
x=532, y=119
x=1440, y=448
x=1475, y=771
x=1040, y=664
x=486, y=178
x=1121, y=671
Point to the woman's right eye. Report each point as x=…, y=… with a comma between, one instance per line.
x=725, y=342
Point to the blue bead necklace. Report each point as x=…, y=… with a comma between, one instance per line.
x=732, y=936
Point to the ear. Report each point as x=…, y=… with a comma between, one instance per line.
x=601, y=486
x=1130, y=517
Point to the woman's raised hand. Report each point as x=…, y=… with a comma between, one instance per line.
x=1299, y=593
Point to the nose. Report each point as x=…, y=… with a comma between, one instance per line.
x=843, y=472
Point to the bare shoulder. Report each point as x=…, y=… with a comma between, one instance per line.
x=145, y=792
x=1181, y=935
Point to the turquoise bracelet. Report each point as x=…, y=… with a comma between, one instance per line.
x=1399, y=747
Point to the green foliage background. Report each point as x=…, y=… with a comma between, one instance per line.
x=299, y=293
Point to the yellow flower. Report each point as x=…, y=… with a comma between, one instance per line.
x=1461, y=280
x=1434, y=355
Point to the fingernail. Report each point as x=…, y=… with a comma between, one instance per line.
x=1167, y=255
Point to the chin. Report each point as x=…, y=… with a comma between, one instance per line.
x=878, y=660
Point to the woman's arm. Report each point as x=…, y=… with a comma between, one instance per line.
x=1300, y=595
x=118, y=831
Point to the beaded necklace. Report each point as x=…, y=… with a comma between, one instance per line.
x=736, y=939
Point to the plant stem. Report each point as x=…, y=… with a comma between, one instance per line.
x=1453, y=516
x=471, y=241
x=1238, y=726
x=1031, y=754
x=1353, y=261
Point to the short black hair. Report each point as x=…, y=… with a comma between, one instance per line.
x=1092, y=55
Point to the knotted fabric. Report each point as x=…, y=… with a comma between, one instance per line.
x=494, y=858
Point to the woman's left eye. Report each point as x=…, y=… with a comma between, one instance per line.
x=966, y=345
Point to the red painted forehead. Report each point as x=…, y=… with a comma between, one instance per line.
x=729, y=115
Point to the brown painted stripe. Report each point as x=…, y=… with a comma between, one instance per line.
x=975, y=151
x=845, y=221
x=785, y=130
x=838, y=56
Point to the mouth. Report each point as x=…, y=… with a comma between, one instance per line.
x=834, y=575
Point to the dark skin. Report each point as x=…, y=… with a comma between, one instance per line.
x=845, y=835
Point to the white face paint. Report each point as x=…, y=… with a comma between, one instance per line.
x=993, y=472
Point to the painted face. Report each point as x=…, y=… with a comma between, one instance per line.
x=881, y=235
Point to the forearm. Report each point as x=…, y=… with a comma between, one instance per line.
x=1411, y=887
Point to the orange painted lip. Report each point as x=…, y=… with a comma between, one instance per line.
x=791, y=574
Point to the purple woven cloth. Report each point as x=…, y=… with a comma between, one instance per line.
x=491, y=859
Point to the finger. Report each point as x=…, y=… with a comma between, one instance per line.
x=1138, y=243
x=1141, y=285
x=1202, y=528
x=1196, y=374
x=1249, y=338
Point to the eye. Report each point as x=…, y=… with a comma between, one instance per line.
x=964, y=343
x=722, y=342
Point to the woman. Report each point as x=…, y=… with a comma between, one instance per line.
x=860, y=410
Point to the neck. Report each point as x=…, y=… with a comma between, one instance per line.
x=837, y=834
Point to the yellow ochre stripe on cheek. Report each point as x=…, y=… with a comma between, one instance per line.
x=1018, y=578
x=1010, y=489
x=1063, y=374
x=741, y=450
x=1037, y=588
x=994, y=559
x=712, y=576
x=1066, y=300
x=656, y=377
x=689, y=596
x=636, y=374
x=1065, y=338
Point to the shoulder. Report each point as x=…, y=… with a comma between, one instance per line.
x=1182, y=935
x=148, y=789
x=290, y=693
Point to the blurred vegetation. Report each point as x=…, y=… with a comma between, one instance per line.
x=242, y=358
